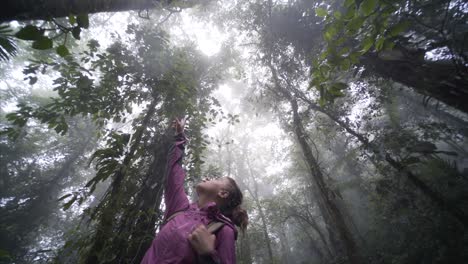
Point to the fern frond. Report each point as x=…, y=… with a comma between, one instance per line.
x=8, y=47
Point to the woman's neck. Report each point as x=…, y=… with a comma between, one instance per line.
x=203, y=200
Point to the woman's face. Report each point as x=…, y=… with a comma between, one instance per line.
x=212, y=187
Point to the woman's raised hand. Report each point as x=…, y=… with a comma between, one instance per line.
x=178, y=125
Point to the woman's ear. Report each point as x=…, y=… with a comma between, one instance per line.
x=223, y=194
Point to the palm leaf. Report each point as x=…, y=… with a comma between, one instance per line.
x=7, y=44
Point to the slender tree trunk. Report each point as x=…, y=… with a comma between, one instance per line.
x=314, y=245
x=260, y=210
x=265, y=230
x=312, y=223
x=244, y=250
x=254, y=194
x=334, y=241
x=104, y=229
x=34, y=9
x=284, y=245
x=244, y=253
x=325, y=194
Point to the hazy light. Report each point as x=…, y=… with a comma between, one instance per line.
x=207, y=37
x=225, y=91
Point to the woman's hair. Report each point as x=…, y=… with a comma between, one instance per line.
x=232, y=207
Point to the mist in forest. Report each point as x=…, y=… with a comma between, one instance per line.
x=344, y=123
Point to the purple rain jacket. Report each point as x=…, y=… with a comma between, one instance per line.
x=171, y=244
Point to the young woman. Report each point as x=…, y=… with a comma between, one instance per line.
x=184, y=238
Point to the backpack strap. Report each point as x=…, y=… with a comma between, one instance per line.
x=215, y=226
x=172, y=216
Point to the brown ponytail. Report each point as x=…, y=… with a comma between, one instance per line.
x=233, y=209
x=240, y=218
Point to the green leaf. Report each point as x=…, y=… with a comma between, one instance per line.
x=84, y=82
x=321, y=12
x=325, y=70
x=367, y=44
x=76, y=32
x=82, y=20
x=324, y=55
x=337, y=14
x=29, y=32
x=350, y=13
x=72, y=19
x=348, y=3
x=335, y=90
x=42, y=43
x=330, y=32
x=69, y=203
x=398, y=28
x=65, y=196
x=344, y=52
x=91, y=182
x=355, y=24
x=340, y=86
x=345, y=64
x=354, y=57
x=32, y=80
x=379, y=43
x=62, y=51
x=368, y=6
x=7, y=47
x=12, y=133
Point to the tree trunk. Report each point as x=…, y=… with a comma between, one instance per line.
x=314, y=245
x=285, y=254
x=433, y=79
x=312, y=223
x=139, y=221
x=325, y=194
x=265, y=230
x=33, y=9
x=254, y=195
x=243, y=249
x=104, y=229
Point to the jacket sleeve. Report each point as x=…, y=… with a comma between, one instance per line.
x=225, y=249
x=175, y=197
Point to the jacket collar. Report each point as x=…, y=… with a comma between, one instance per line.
x=214, y=213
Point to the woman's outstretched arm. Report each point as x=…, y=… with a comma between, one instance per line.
x=175, y=197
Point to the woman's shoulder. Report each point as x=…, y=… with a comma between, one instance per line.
x=225, y=235
x=227, y=232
